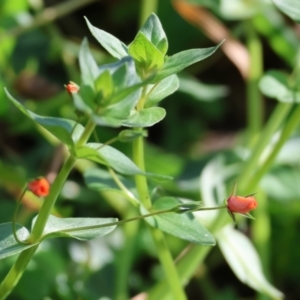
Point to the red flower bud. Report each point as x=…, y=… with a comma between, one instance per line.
x=242, y=205
x=72, y=87
x=39, y=186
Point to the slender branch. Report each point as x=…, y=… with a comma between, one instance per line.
x=15, y=217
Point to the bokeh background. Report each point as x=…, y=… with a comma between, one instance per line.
x=206, y=117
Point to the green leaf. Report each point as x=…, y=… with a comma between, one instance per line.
x=244, y=261
x=290, y=8
x=104, y=84
x=184, y=226
x=59, y=127
x=101, y=180
x=161, y=90
x=275, y=85
x=88, y=66
x=154, y=32
x=146, y=55
x=8, y=245
x=145, y=118
x=113, y=45
x=181, y=60
x=78, y=228
x=113, y=158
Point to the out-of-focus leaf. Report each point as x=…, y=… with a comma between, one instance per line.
x=201, y=91
x=244, y=261
x=290, y=8
x=113, y=45
x=275, y=84
x=161, y=90
x=77, y=228
x=184, y=226
x=181, y=60
x=282, y=183
x=8, y=245
x=67, y=131
x=154, y=32
x=145, y=118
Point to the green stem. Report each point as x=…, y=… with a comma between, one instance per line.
x=15, y=217
x=147, y=8
x=187, y=264
x=123, y=188
x=276, y=119
x=254, y=98
x=287, y=130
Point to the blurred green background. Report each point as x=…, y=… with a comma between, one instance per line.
x=206, y=118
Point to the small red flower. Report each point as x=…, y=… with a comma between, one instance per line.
x=39, y=186
x=242, y=205
x=72, y=87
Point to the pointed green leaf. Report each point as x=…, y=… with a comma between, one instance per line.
x=290, y=8
x=61, y=128
x=244, y=261
x=161, y=90
x=184, y=226
x=154, y=32
x=181, y=60
x=275, y=84
x=78, y=228
x=113, y=45
x=88, y=66
x=113, y=158
x=104, y=84
x=8, y=245
x=145, y=118
x=146, y=55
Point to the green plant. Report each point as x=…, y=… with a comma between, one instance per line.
x=126, y=93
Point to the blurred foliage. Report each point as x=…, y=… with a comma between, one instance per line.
x=204, y=120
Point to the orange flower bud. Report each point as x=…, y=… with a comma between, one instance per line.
x=39, y=186
x=72, y=87
x=242, y=205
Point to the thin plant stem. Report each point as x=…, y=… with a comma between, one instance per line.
x=147, y=7
x=15, y=217
x=255, y=108
x=123, y=188
x=276, y=119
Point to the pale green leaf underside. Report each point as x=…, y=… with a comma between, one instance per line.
x=78, y=228
x=184, y=226
x=59, y=127
x=8, y=245
x=145, y=118
x=244, y=261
